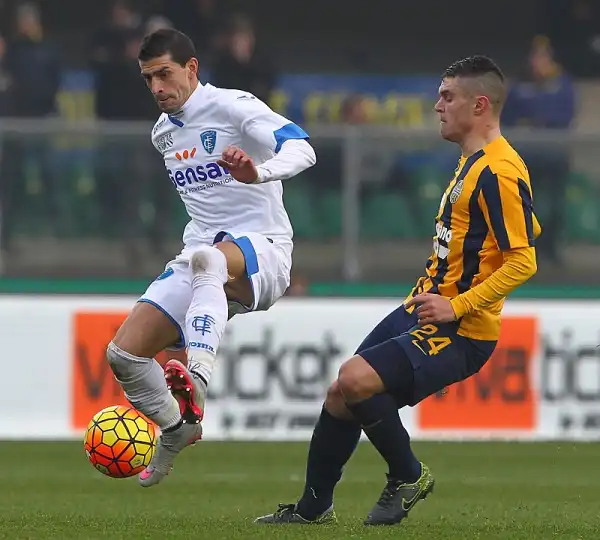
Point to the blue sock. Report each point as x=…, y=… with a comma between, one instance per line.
x=380, y=421
x=333, y=442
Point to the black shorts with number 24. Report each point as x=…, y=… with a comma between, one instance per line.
x=417, y=361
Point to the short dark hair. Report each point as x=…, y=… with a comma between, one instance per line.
x=167, y=41
x=473, y=66
x=486, y=72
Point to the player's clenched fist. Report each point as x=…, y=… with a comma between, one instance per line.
x=432, y=308
x=240, y=165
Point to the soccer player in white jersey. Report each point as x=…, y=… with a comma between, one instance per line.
x=226, y=153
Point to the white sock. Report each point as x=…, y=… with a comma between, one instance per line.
x=201, y=364
x=143, y=381
x=207, y=315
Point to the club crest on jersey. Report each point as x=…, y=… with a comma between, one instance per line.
x=456, y=191
x=209, y=140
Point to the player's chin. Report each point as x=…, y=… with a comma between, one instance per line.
x=447, y=133
x=167, y=106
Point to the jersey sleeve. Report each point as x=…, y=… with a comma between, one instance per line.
x=507, y=206
x=518, y=266
x=263, y=125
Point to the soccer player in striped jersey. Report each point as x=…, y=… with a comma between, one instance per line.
x=448, y=327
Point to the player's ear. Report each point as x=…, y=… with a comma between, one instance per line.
x=192, y=66
x=482, y=104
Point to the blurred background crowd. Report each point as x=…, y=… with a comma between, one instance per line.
x=83, y=198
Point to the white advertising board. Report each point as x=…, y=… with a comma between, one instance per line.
x=274, y=368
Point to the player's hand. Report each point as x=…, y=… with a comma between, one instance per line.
x=432, y=308
x=239, y=164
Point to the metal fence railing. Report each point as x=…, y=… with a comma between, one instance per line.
x=93, y=198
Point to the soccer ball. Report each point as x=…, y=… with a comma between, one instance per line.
x=120, y=442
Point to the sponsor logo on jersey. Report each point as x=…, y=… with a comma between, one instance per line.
x=164, y=142
x=199, y=345
x=186, y=154
x=442, y=240
x=199, y=177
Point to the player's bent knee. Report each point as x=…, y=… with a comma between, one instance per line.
x=358, y=381
x=209, y=259
x=334, y=395
x=335, y=403
x=124, y=365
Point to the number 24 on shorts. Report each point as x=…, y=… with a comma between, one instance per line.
x=429, y=345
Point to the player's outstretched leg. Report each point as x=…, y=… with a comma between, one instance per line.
x=146, y=332
x=334, y=439
x=362, y=385
x=205, y=323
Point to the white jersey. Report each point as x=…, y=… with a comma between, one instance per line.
x=192, y=141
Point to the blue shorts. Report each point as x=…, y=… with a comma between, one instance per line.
x=417, y=361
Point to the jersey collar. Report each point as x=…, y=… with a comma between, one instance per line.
x=178, y=117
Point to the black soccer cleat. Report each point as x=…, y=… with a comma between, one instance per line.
x=286, y=514
x=398, y=499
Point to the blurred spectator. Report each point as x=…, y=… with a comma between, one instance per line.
x=34, y=70
x=129, y=170
x=157, y=22
x=239, y=65
x=199, y=19
x=119, y=96
x=108, y=49
x=109, y=39
x=5, y=147
x=5, y=81
x=324, y=183
x=4, y=16
x=328, y=175
x=573, y=27
x=354, y=110
x=544, y=98
x=129, y=98
x=34, y=66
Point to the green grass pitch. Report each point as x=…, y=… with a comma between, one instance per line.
x=512, y=491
